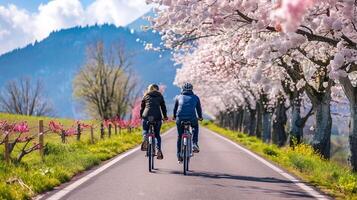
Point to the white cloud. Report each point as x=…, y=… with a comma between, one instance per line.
x=19, y=27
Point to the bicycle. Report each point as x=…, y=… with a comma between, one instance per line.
x=150, y=152
x=186, y=146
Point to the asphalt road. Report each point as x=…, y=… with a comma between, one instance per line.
x=219, y=171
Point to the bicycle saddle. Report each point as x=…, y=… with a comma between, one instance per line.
x=186, y=123
x=151, y=120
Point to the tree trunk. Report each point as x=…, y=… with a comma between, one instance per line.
x=296, y=130
x=240, y=121
x=279, y=133
x=237, y=119
x=246, y=120
x=267, y=126
x=351, y=93
x=252, y=122
x=231, y=120
x=353, y=135
x=220, y=119
x=322, y=138
x=224, y=119
x=259, y=123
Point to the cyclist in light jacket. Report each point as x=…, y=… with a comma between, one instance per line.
x=187, y=108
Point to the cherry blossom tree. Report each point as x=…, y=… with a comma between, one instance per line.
x=334, y=24
x=308, y=43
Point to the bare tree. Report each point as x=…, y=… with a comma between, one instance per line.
x=105, y=84
x=26, y=98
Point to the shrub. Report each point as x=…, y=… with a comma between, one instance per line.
x=270, y=151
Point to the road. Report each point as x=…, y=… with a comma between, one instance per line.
x=219, y=171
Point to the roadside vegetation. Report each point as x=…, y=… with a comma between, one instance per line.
x=62, y=160
x=332, y=178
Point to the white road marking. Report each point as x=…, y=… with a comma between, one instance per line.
x=76, y=184
x=297, y=182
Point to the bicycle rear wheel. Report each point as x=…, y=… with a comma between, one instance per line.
x=185, y=160
x=150, y=157
x=188, y=163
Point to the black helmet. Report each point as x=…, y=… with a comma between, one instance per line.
x=187, y=87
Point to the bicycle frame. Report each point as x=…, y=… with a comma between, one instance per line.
x=187, y=140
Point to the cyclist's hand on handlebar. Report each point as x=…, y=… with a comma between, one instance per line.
x=174, y=118
x=165, y=118
x=200, y=119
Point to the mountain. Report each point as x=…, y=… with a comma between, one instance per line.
x=56, y=59
x=141, y=21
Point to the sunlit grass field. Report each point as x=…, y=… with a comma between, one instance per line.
x=62, y=161
x=331, y=177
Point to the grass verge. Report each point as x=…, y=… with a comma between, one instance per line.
x=62, y=161
x=332, y=178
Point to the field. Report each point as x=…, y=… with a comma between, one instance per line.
x=62, y=160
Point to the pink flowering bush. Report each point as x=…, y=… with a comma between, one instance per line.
x=15, y=134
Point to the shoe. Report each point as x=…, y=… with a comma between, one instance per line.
x=179, y=160
x=160, y=156
x=196, y=148
x=144, y=145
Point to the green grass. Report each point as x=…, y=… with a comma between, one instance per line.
x=332, y=178
x=62, y=161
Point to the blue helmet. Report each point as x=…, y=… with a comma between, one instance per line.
x=187, y=87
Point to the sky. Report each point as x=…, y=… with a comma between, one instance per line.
x=25, y=21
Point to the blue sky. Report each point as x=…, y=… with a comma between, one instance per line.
x=32, y=5
x=25, y=21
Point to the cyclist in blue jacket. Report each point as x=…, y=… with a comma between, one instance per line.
x=187, y=108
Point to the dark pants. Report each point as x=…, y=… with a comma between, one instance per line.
x=180, y=130
x=157, y=128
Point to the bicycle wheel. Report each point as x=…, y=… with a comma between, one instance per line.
x=188, y=163
x=185, y=159
x=189, y=152
x=150, y=155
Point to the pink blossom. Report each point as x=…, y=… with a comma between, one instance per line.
x=290, y=13
x=55, y=127
x=21, y=127
x=83, y=125
x=106, y=123
x=71, y=131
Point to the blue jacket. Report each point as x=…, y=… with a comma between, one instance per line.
x=186, y=105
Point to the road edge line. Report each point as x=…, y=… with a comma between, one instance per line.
x=63, y=192
x=311, y=191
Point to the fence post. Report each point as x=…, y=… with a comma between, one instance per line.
x=63, y=136
x=115, y=129
x=41, y=140
x=101, y=131
x=78, y=132
x=110, y=130
x=6, y=143
x=91, y=135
